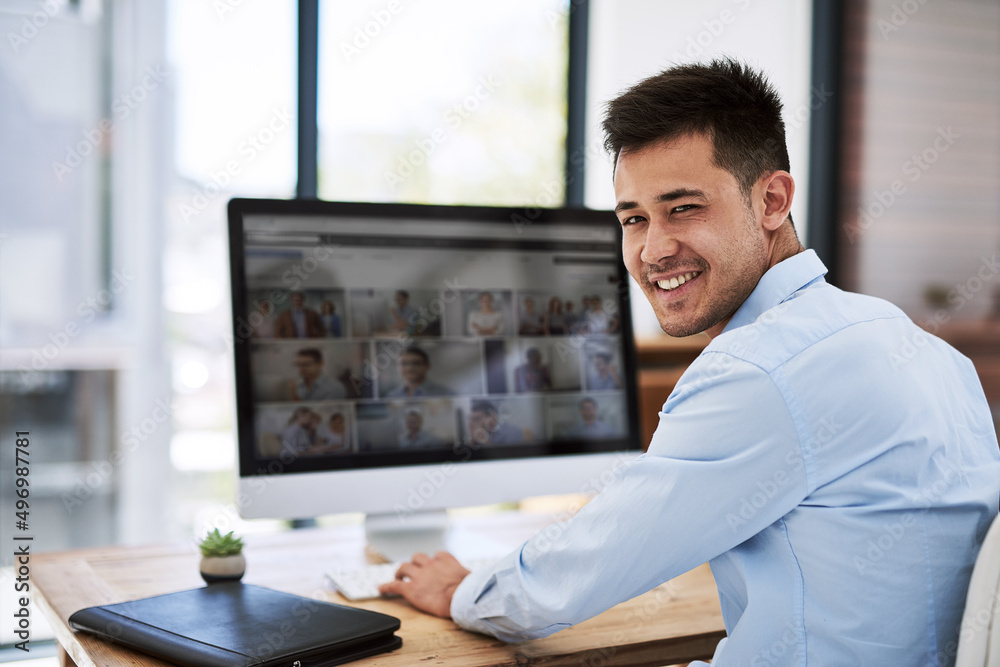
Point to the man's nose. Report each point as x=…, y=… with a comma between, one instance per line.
x=661, y=242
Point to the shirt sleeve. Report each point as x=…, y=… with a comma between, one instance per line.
x=725, y=462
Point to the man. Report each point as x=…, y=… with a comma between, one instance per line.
x=414, y=435
x=599, y=321
x=403, y=317
x=414, y=366
x=298, y=321
x=603, y=373
x=488, y=427
x=839, y=490
x=312, y=384
x=591, y=426
x=532, y=375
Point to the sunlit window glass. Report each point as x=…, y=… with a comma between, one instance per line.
x=443, y=101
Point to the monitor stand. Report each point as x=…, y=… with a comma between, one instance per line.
x=397, y=538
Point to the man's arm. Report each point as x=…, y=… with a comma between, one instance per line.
x=428, y=583
x=725, y=434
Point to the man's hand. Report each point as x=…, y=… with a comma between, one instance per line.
x=428, y=583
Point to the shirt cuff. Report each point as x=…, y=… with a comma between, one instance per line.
x=463, y=602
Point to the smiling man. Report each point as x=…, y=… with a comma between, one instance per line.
x=840, y=494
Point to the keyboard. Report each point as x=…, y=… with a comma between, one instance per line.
x=362, y=583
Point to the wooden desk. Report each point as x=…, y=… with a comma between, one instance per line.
x=676, y=622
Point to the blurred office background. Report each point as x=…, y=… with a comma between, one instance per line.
x=126, y=125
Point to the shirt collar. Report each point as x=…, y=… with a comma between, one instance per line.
x=779, y=283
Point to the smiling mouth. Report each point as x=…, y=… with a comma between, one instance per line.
x=675, y=282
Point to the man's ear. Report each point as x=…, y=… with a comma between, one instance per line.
x=778, y=191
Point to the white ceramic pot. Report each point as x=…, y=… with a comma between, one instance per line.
x=225, y=568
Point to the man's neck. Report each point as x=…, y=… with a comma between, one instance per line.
x=784, y=244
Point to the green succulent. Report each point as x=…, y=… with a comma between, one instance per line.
x=217, y=545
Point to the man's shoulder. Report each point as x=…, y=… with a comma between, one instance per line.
x=820, y=314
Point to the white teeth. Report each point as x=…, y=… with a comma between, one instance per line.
x=674, y=283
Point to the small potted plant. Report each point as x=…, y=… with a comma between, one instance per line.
x=221, y=557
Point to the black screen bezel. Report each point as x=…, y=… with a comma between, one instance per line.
x=251, y=465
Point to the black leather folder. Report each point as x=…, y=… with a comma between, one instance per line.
x=234, y=624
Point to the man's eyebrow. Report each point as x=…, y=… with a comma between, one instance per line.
x=672, y=195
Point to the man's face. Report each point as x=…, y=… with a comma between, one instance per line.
x=600, y=365
x=413, y=422
x=309, y=369
x=400, y=299
x=481, y=424
x=297, y=300
x=588, y=412
x=689, y=239
x=413, y=369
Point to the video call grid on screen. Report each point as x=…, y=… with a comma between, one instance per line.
x=367, y=341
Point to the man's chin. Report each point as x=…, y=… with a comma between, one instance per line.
x=680, y=328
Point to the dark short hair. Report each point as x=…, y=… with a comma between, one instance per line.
x=311, y=352
x=416, y=351
x=732, y=104
x=485, y=407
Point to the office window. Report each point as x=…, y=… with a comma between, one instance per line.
x=235, y=111
x=233, y=74
x=444, y=101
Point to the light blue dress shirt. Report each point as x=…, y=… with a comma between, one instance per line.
x=836, y=464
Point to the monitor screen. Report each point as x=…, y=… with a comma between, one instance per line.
x=370, y=337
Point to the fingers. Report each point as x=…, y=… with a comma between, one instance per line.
x=394, y=587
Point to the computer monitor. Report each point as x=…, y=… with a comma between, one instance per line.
x=400, y=360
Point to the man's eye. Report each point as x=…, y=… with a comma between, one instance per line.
x=631, y=220
x=683, y=208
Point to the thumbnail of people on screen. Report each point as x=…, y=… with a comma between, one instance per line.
x=381, y=313
x=334, y=428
